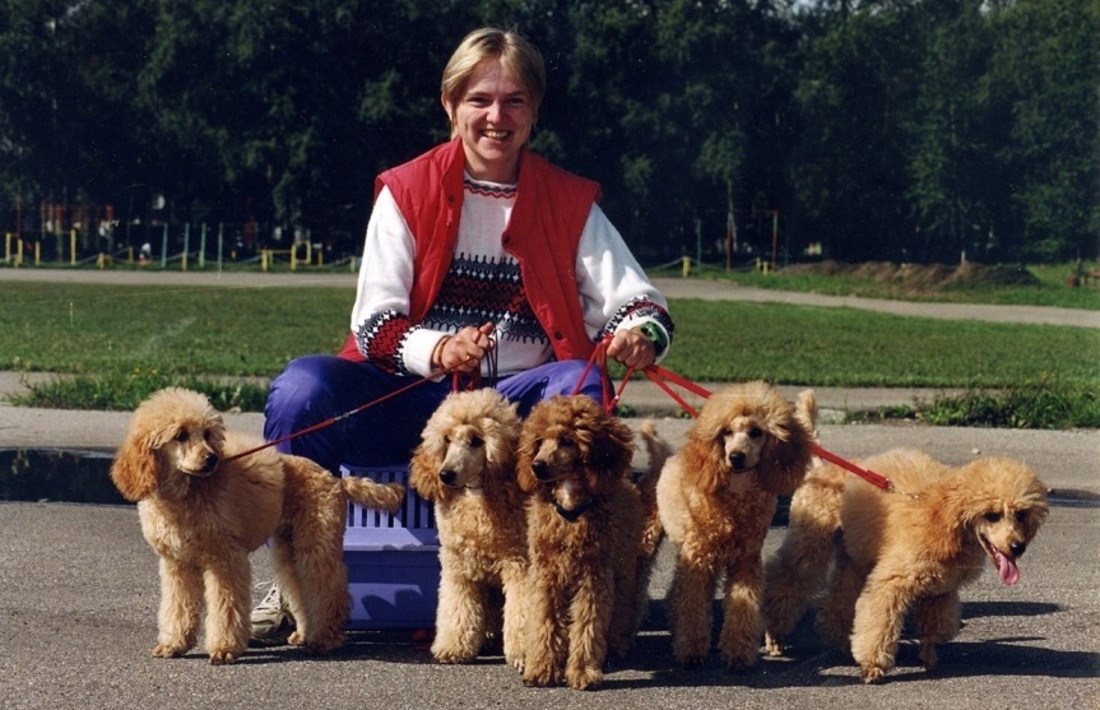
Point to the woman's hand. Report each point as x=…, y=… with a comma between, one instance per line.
x=464, y=350
x=632, y=349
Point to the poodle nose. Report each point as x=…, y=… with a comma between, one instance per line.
x=540, y=469
x=1017, y=548
x=209, y=462
x=737, y=461
x=448, y=477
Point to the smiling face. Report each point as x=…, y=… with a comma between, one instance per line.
x=494, y=117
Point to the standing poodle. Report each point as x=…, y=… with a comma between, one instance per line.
x=203, y=512
x=716, y=498
x=584, y=531
x=465, y=465
x=911, y=548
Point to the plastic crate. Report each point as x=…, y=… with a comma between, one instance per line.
x=392, y=559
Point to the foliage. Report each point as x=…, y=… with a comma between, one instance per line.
x=1044, y=405
x=124, y=391
x=879, y=129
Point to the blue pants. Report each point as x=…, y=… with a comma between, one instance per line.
x=315, y=388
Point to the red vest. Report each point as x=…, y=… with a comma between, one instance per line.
x=552, y=206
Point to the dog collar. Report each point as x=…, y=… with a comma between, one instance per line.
x=572, y=515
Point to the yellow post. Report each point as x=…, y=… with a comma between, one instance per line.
x=265, y=256
x=7, y=247
x=100, y=262
x=38, y=253
x=72, y=247
x=293, y=257
x=18, y=252
x=685, y=266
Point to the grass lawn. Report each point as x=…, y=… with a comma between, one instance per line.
x=126, y=340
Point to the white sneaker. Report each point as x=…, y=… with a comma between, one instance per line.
x=271, y=620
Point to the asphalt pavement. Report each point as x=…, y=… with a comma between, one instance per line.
x=79, y=589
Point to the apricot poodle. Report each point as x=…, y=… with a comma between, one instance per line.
x=465, y=465
x=716, y=498
x=584, y=532
x=203, y=514
x=907, y=549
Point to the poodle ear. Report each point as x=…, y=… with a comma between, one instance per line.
x=612, y=449
x=424, y=473
x=788, y=453
x=525, y=454
x=701, y=459
x=134, y=471
x=501, y=434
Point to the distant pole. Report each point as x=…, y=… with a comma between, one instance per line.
x=698, y=241
x=221, y=242
x=164, y=248
x=202, y=247
x=186, y=245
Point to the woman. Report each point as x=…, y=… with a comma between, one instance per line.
x=480, y=258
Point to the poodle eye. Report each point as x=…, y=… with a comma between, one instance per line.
x=181, y=435
x=476, y=442
x=756, y=433
x=992, y=517
x=1021, y=516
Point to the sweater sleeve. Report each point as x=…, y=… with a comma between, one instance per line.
x=615, y=292
x=380, y=317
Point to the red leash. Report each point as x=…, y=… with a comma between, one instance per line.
x=658, y=375
x=340, y=417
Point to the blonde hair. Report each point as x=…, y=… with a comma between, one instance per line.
x=521, y=59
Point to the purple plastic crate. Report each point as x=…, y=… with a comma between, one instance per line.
x=392, y=559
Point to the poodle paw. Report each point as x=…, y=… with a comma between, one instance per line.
x=540, y=677
x=739, y=661
x=692, y=662
x=773, y=646
x=224, y=656
x=325, y=644
x=584, y=678
x=170, y=650
x=871, y=674
x=928, y=656
x=296, y=639
x=452, y=655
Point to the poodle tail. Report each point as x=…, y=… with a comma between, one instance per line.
x=371, y=494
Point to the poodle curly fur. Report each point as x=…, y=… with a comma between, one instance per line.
x=203, y=514
x=716, y=498
x=901, y=551
x=465, y=465
x=584, y=530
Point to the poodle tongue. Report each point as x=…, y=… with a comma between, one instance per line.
x=1010, y=573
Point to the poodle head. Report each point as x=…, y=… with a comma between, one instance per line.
x=175, y=437
x=469, y=442
x=573, y=450
x=748, y=434
x=1003, y=503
